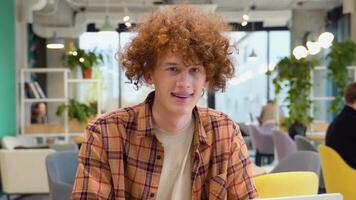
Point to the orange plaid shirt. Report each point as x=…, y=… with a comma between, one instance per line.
x=122, y=159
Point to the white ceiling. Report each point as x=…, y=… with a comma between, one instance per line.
x=69, y=17
x=222, y=5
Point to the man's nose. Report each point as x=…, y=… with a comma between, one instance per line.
x=184, y=79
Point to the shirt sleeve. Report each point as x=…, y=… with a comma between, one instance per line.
x=240, y=184
x=93, y=177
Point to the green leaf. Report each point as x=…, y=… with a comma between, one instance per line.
x=295, y=75
x=341, y=55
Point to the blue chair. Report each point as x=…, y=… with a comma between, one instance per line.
x=61, y=169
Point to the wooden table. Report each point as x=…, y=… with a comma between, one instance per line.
x=316, y=136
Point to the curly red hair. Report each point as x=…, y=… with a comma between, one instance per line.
x=196, y=35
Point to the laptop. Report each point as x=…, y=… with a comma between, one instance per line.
x=329, y=196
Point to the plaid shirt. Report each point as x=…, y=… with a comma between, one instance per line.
x=122, y=159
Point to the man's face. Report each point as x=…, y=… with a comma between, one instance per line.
x=178, y=87
x=41, y=109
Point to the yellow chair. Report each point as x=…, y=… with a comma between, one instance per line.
x=338, y=175
x=287, y=184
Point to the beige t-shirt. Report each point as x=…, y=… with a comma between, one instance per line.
x=175, y=181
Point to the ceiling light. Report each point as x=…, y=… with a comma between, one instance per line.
x=126, y=18
x=128, y=24
x=300, y=52
x=325, y=39
x=313, y=47
x=70, y=48
x=244, y=23
x=253, y=56
x=55, y=42
x=107, y=27
x=245, y=17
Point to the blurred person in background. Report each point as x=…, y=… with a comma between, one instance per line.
x=341, y=133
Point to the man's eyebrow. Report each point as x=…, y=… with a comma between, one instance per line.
x=171, y=63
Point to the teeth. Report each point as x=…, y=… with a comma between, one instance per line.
x=180, y=96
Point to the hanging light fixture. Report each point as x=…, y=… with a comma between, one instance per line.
x=245, y=17
x=252, y=56
x=107, y=27
x=55, y=42
x=70, y=48
x=325, y=39
x=127, y=18
x=313, y=47
x=300, y=52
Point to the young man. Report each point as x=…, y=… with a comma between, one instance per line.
x=341, y=134
x=166, y=147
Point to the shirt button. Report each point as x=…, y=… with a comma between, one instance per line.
x=152, y=195
x=158, y=157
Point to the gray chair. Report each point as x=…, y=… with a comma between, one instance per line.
x=303, y=144
x=299, y=161
x=64, y=147
x=283, y=143
x=61, y=169
x=262, y=142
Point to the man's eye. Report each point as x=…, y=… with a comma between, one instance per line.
x=195, y=70
x=172, y=69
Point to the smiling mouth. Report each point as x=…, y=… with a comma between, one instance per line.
x=181, y=96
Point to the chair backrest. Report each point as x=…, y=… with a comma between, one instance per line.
x=283, y=143
x=268, y=125
x=329, y=196
x=338, y=175
x=261, y=141
x=299, y=161
x=61, y=169
x=62, y=166
x=303, y=144
x=286, y=184
x=64, y=147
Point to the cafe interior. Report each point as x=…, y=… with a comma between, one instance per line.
x=60, y=69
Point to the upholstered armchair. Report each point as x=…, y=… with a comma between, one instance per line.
x=23, y=171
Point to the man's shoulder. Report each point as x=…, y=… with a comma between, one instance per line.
x=211, y=114
x=118, y=116
x=210, y=117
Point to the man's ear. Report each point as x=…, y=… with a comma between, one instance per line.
x=148, y=78
x=206, y=84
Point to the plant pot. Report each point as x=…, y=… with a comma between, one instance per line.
x=296, y=128
x=86, y=72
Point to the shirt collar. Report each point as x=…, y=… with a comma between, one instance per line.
x=349, y=110
x=199, y=131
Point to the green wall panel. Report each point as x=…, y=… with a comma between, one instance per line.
x=7, y=69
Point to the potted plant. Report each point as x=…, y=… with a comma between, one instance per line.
x=79, y=111
x=341, y=55
x=294, y=75
x=86, y=60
